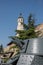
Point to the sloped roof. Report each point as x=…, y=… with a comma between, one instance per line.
x=10, y=43
x=39, y=27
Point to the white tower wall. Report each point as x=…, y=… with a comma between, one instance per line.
x=20, y=25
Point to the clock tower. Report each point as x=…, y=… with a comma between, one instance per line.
x=20, y=25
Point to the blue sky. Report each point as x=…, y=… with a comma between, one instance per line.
x=9, y=12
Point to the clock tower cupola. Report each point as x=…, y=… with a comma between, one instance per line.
x=20, y=25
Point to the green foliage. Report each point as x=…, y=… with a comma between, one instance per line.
x=26, y=34
x=29, y=30
x=5, y=60
x=31, y=21
x=1, y=48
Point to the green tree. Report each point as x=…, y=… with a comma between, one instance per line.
x=1, y=48
x=29, y=31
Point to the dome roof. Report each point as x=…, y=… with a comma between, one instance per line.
x=35, y=46
x=20, y=15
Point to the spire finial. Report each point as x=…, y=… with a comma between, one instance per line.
x=20, y=14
